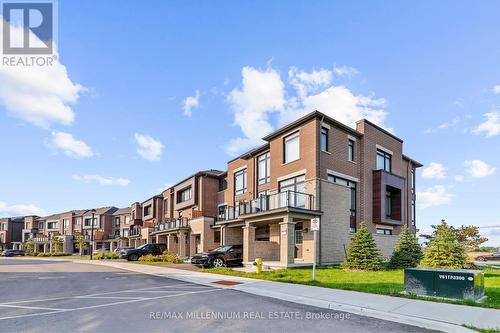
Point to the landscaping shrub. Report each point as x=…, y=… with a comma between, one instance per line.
x=166, y=257
x=407, y=252
x=444, y=251
x=363, y=253
x=52, y=254
x=106, y=255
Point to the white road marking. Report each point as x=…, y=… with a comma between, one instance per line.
x=96, y=294
x=50, y=277
x=110, y=304
x=29, y=307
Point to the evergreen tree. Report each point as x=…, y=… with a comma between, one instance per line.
x=407, y=252
x=29, y=246
x=444, y=251
x=363, y=253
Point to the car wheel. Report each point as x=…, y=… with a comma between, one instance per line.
x=133, y=257
x=219, y=262
x=481, y=258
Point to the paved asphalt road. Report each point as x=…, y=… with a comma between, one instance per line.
x=55, y=296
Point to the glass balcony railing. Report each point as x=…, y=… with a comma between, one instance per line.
x=172, y=224
x=268, y=202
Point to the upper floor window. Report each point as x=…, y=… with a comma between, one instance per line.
x=66, y=223
x=240, y=182
x=87, y=221
x=165, y=207
x=117, y=221
x=291, y=148
x=223, y=184
x=127, y=219
x=147, y=210
x=384, y=161
x=264, y=168
x=3, y=226
x=52, y=225
x=40, y=225
x=324, y=139
x=350, y=150
x=184, y=195
x=125, y=233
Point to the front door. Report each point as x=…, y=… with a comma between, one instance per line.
x=299, y=236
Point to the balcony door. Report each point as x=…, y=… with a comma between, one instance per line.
x=292, y=192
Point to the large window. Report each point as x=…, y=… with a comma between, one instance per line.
x=52, y=225
x=324, y=139
x=240, y=182
x=413, y=209
x=125, y=233
x=352, y=198
x=127, y=219
x=350, y=150
x=184, y=195
x=264, y=168
x=87, y=222
x=147, y=210
x=291, y=148
x=292, y=192
x=384, y=161
x=117, y=221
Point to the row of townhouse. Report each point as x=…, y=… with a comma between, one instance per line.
x=314, y=167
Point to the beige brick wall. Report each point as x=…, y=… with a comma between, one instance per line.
x=232, y=236
x=334, y=222
x=269, y=251
x=385, y=244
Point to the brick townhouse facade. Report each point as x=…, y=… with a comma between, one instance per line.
x=317, y=167
x=314, y=167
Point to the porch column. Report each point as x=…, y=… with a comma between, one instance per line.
x=169, y=243
x=182, y=244
x=111, y=246
x=192, y=245
x=248, y=243
x=287, y=241
x=45, y=247
x=222, y=236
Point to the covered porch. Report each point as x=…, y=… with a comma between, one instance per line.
x=282, y=238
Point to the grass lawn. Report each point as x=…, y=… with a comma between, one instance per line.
x=390, y=282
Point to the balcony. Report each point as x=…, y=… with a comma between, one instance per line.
x=172, y=224
x=266, y=203
x=135, y=232
x=388, y=203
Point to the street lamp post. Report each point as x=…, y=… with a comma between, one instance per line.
x=92, y=234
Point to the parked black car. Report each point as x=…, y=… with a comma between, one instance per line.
x=135, y=254
x=120, y=249
x=494, y=257
x=11, y=253
x=228, y=255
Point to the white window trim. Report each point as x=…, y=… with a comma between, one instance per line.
x=341, y=175
x=239, y=169
x=292, y=133
x=292, y=175
x=382, y=226
x=325, y=125
x=350, y=137
x=384, y=149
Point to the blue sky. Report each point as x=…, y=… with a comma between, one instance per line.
x=146, y=93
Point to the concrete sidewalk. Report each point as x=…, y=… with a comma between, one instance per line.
x=432, y=315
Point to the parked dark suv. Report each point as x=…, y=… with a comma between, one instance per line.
x=135, y=254
x=228, y=255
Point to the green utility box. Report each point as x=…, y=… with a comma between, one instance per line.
x=446, y=283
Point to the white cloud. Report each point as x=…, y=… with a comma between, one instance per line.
x=478, y=168
x=19, y=210
x=496, y=89
x=38, y=94
x=102, y=180
x=491, y=126
x=190, y=103
x=450, y=124
x=434, y=171
x=262, y=92
x=345, y=71
x=434, y=196
x=70, y=146
x=148, y=147
x=459, y=178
